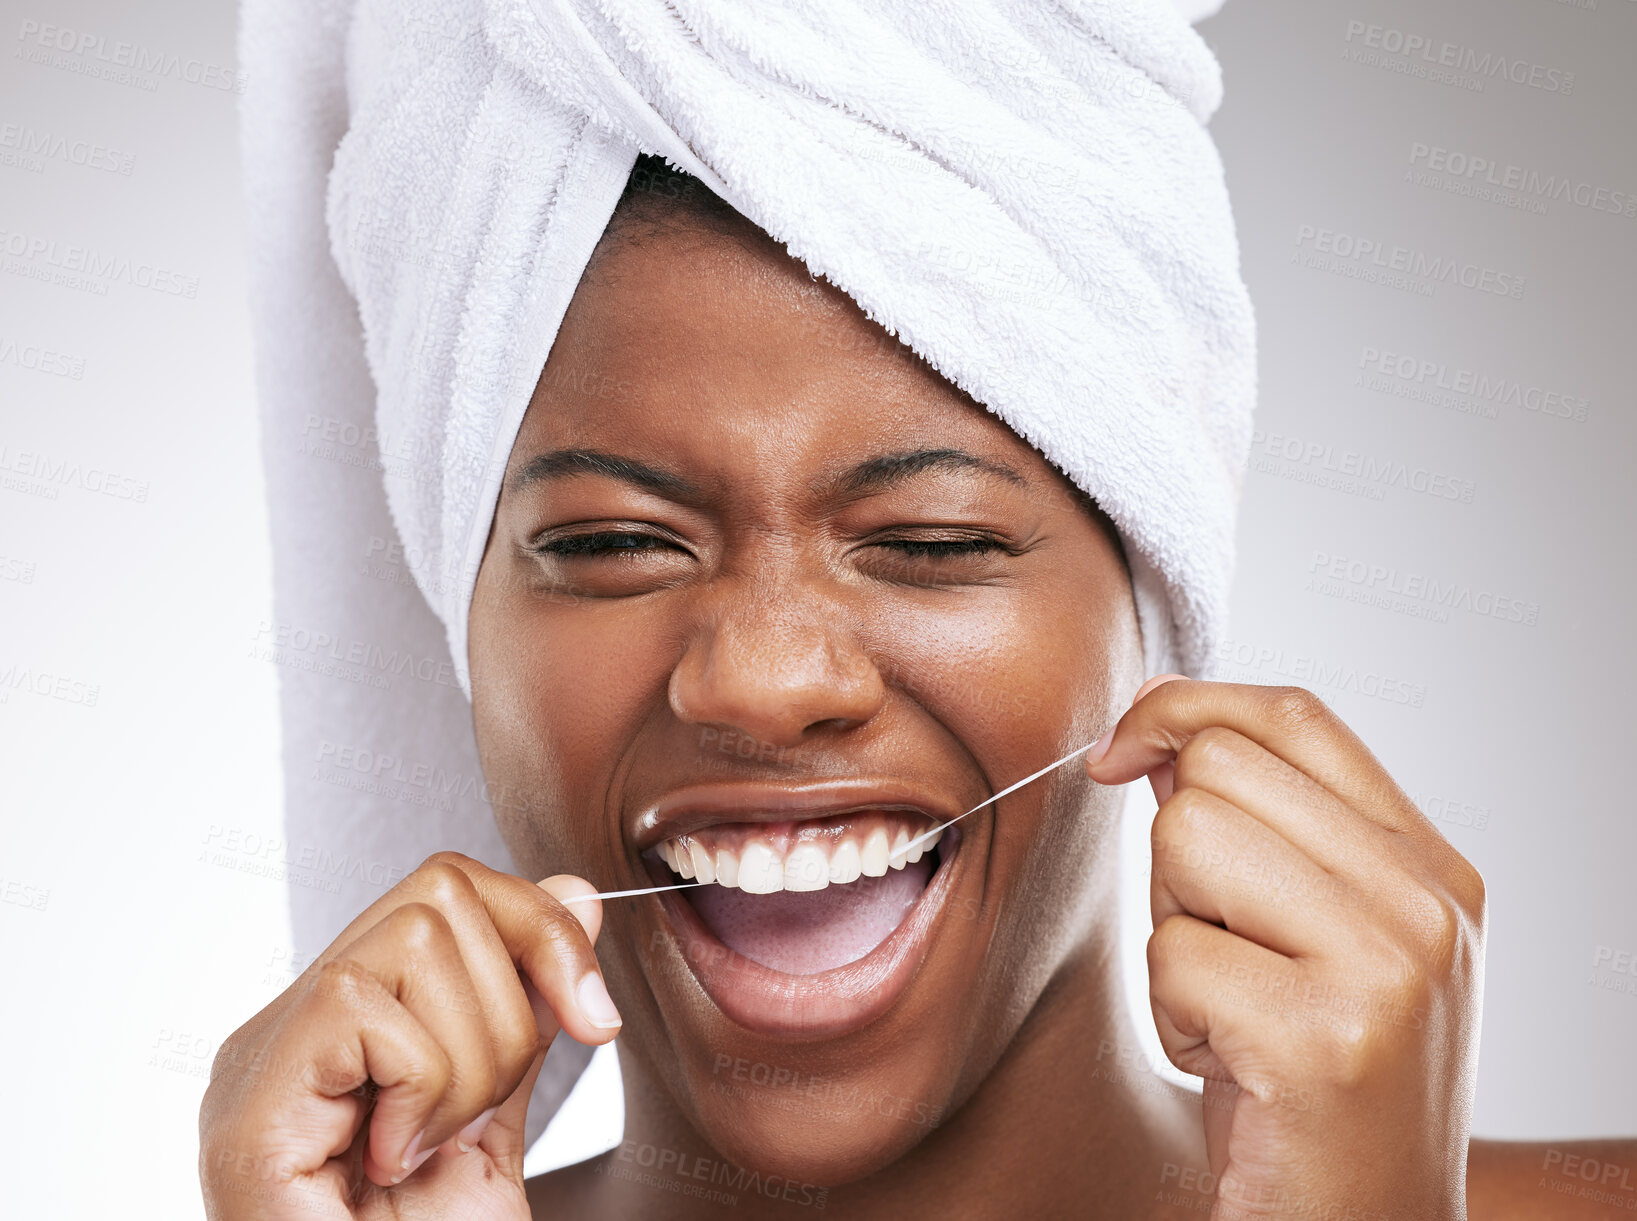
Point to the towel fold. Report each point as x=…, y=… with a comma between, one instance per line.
x=1024, y=192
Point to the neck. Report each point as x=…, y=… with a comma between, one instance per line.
x=1071, y=1121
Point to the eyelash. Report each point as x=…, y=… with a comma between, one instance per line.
x=610, y=542
x=576, y=545
x=940, y=548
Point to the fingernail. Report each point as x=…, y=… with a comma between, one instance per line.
x=414, y=1157
x=467, y=1138
x=1099, y=748
x=595, y=1003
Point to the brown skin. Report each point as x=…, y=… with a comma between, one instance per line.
x=1295, y=887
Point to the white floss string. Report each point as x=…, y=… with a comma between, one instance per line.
x=1050, y=767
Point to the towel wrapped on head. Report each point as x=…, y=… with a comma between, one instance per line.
x=1022, y=191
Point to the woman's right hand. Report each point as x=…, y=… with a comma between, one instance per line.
x=419, y=1032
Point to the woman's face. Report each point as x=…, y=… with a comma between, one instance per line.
x=764, y=586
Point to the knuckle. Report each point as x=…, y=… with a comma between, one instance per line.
x=1191, y=809
x=420, y=928
x=1473, y=893
x=1210, y=750
x=457, y=860
x=432, y=1074
x=1166, y=833
x=1169, y=941
x=1295, y=709
x=1352, y=1050
x=1183, y=822
x=1344, y=1047
x=1434, y=926
x=345, y=981
x=351, y=987
x=1399, y=979
x=228, y=1055
x=441, y=882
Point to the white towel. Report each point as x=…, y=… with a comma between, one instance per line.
x=1025, y=192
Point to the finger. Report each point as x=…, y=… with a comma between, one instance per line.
x=1160, y=779
x=514, y=1030
x=551, y=946
x=589, y=912
x=1213, y=861
x=480, y=978
x=1291, y=722
x=1290, y=803
x=515, y=1090
x=1159, y=680
x=1220, y=1002
x=1163, y=779
x=415, y=955
x=538, y=935
x=347, y=1030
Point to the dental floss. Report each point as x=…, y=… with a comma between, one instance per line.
x=926, y=835
x=654, y=890
x=646, y=890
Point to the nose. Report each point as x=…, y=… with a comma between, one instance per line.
x=776, y=673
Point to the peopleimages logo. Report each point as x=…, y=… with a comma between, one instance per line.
x=1385, y=586
x=47, y=145
x=1365, y=468
x=43, y=38
x=40, y=359
x=64, y=472
x=1423, y=53
x=97, y=267
x=1457, y=166
x=1371, y=259
x=1481, y=388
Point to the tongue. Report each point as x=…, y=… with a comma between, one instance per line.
x=803, y=932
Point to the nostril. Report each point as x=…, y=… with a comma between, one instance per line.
x=773, y=683
x=833, y=724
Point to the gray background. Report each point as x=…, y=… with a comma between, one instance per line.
x=138, y=731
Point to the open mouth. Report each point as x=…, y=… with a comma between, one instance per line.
x=808, y=924
x=804, y=896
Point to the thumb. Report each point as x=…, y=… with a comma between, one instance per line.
x=504, y=1139
x=1162, y=778
x=589, y=912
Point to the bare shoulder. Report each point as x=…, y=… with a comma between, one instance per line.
x=1566, y=1180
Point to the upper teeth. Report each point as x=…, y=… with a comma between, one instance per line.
x=763, y=863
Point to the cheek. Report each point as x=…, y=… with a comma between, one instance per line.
x=559, y=694
x=1012, y=671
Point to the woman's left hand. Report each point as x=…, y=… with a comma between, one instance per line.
x=1317, y=955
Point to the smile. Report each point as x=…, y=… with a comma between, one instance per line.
x=812, y=918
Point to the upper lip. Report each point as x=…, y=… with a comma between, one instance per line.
x=695, y=806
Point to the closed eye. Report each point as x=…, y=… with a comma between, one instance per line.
x=934, y=548
x=603, y=542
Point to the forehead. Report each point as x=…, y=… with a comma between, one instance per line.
x=706, y=342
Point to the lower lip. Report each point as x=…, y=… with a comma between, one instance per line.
x=833, y=1002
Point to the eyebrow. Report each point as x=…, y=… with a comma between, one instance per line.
x=871, y=475
x=878, y=473
x=560, y=463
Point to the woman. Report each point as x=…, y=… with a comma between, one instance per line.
x=763, y=596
